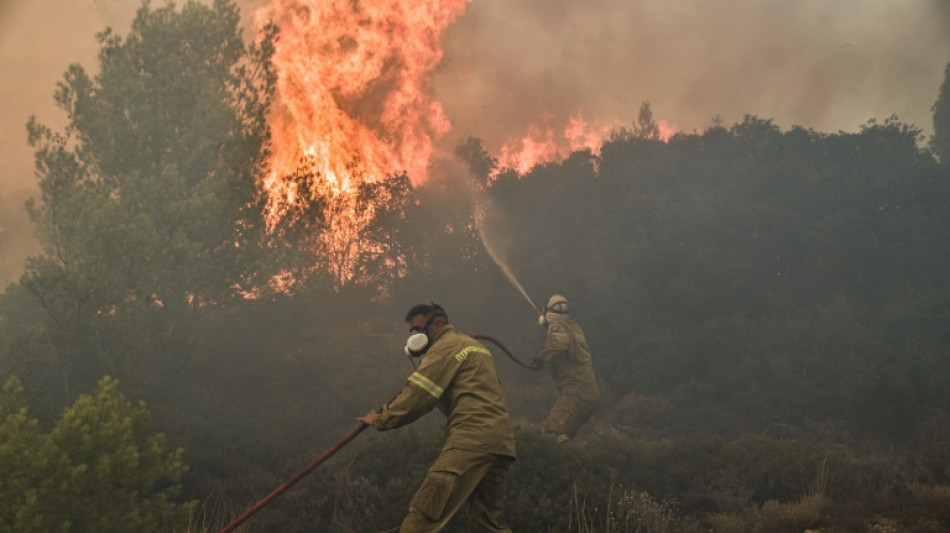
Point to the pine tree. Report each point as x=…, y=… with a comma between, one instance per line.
x=97, y=470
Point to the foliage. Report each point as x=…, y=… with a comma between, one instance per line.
x=97, y=469
x=646, y=126
x=638, y=512
x=548, y=479
x=149, y=215
x=795, y=248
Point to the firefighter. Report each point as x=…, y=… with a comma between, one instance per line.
x=565, y=348
x=456, y=375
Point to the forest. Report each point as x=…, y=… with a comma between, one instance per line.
x=768, y=310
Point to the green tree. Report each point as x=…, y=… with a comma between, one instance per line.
x=97, y=470
x=149, y=215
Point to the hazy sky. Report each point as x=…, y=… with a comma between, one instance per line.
x=825, y=64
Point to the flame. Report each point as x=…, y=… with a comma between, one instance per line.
x=354, y=105
x=542, y=145
x=354, y=91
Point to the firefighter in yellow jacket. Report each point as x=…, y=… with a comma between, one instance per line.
x=565, y=348
x=456, y=375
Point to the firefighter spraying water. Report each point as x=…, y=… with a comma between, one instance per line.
x=566, y=350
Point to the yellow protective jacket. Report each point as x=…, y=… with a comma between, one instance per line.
x=565, y=348
x=458, y=376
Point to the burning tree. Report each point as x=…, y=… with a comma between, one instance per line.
x=354, y=128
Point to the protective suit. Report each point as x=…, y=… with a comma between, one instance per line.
x=458, y=376
x=566, y=350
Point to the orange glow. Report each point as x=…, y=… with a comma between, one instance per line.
x=543, y=145
x=667, y=130
x=354, y=105
x=354, y=95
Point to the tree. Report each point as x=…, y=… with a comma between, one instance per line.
x=387, y=244
x=149, y=215
x=646, y=126
x=480, y=163
x=97, y=470
x=941, y=138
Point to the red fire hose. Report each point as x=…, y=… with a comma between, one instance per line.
x=494, y=341
x=335, y=448
x=277, y=492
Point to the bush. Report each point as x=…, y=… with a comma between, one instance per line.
x=97, y=470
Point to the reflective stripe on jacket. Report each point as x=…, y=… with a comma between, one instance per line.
x=458, y=376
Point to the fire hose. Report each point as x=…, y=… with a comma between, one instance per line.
x=336, y=447
x=494, y=341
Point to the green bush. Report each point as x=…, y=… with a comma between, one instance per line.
x=97, y=470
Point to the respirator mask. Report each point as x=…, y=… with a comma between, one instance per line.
x=418, y=343
x=547, y=317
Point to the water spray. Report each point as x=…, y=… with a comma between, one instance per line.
x=504, y=268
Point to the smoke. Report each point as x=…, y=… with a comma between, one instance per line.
x=825, y=65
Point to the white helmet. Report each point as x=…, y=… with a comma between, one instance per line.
x=558, y=304
x=555, y=310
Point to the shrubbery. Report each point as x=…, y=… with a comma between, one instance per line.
x=98, y=469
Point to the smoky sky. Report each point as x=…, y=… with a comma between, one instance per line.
x=825, y=65
x=509, y=64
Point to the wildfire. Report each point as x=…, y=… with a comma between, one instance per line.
x=354, y=106
x=354, y=91
x=542, y=145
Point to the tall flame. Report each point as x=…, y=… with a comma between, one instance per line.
x=355, y=105
x=354, y=90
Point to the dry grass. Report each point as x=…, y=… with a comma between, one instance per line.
x=630, y=512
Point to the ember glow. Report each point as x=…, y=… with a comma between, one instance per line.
x=354, y=91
